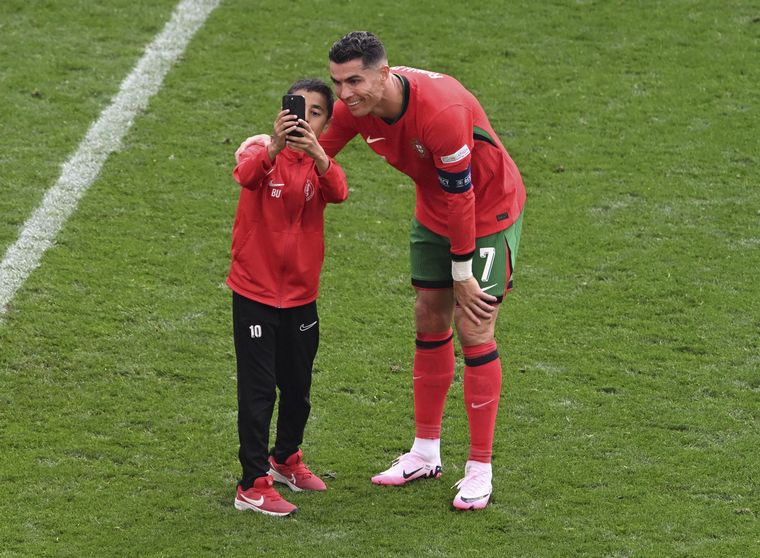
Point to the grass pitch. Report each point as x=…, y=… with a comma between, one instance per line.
x=629, y=419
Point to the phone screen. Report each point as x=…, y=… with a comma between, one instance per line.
x=296, y=104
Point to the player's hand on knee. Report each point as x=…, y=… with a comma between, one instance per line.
x=476, y=304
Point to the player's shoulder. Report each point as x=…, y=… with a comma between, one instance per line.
x=415, y=73
x=432, y=92
x=428, y=82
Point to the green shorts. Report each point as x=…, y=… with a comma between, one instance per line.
x=492, y=265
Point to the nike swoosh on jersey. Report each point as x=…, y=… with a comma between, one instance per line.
x=303, y=327
x=479, y=405
x=370, y=139
x=484, y=289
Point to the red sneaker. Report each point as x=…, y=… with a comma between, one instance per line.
x=295, y=473
x=262, y=497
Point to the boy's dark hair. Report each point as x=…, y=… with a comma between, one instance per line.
x=358, y=44
x=316, y=86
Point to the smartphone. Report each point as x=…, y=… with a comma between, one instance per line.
x=296, y=104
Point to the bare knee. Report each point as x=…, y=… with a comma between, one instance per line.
x=434, y=310
x=470, y=334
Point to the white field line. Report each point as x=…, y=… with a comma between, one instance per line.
x=103, y=138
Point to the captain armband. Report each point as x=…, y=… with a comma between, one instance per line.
x=455, y=182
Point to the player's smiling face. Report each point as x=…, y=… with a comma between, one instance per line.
x=361, y=88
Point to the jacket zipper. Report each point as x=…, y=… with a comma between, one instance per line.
x=290, y=235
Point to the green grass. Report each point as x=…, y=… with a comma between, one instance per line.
x=630, y=410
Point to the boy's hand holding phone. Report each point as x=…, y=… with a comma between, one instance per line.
x=295, y=105
x=293, y=108
x=292, y=129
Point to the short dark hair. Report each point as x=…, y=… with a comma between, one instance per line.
x=358, y=44
x=316, y=86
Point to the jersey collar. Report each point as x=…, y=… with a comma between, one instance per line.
x=405, y=104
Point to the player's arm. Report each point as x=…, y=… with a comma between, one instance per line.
x=451, y=148
x=340, y=130
x=260, y=139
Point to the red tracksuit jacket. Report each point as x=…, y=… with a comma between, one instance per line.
x=278, y=237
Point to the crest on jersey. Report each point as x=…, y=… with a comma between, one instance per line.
x=421, y=151
x=308, y=190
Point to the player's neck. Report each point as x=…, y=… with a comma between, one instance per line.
x=392, y=103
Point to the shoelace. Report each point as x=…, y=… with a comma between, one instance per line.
x=299, y=469
x=269, y=492
x=400, y=458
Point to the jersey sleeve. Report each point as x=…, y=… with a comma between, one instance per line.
x=339, y=132
x=253, y=165
x=450, y=140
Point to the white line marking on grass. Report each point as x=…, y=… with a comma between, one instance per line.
x=103, y=138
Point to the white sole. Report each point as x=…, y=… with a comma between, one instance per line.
x=478, y=504
x=242, y=506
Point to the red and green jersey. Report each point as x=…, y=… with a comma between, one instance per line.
x=467, y=184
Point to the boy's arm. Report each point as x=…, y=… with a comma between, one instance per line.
x=333, y=186
x=256, y=155
x=253, y=165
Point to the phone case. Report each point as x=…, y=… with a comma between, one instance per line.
x=296, y=104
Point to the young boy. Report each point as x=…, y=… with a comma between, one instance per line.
x=277, y=255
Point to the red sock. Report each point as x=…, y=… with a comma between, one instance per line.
x=482, y=388
x=433, y=373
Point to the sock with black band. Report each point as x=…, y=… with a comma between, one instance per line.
x=432, y=373
x=482, y=389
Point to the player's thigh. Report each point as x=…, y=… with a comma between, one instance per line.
x=491, y=264
x=430, y=259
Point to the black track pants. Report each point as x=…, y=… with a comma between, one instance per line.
x=275, y=348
